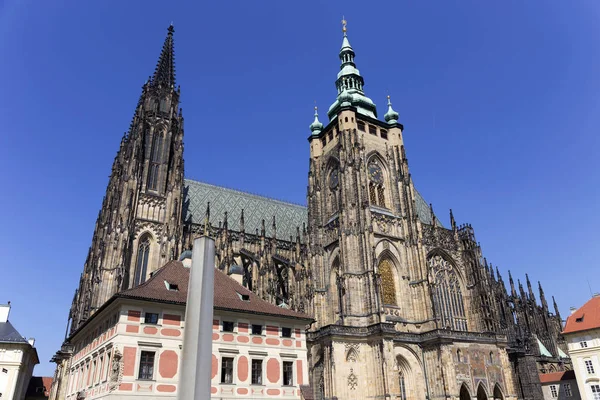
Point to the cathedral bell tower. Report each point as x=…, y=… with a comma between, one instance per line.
x=360, y=200
x=139, y=226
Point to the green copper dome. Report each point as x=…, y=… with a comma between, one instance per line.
x=391, y=116
x=316, y=127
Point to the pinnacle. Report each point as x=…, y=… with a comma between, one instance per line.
x=164, y=74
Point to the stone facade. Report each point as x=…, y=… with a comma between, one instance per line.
x=403, y=306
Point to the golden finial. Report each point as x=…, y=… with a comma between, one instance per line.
x=344, y=23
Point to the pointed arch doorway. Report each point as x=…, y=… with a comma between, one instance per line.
x=481, y=394
x=464, y=393
x=498, y=393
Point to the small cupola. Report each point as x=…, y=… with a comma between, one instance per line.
x=391, y=116
x=316, y=127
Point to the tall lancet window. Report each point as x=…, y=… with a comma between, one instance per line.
x=143, y=254
x=388, y=285
x=334, y=181
x=155, y=159
x=447, y=295
x=376, y=184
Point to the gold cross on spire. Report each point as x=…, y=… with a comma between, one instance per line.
x=344, y=23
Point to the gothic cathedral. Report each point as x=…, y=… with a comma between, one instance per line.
x=404, y=307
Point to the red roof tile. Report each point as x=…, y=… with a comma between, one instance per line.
x=36, y=382
x=587, y=317
x=557, y=376
x=227, y=295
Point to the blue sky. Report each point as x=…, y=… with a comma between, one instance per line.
x=499, y=101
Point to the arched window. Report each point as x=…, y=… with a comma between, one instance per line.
x=334, y=180
x=155, y=160
x=402, y=386
x=388, y=285
x=163, y=106
x=143, y=254
x=491, y=357
x=447, y=295
x=458, y=355
x=376, y=184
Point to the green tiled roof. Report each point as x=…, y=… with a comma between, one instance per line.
x=288, y=216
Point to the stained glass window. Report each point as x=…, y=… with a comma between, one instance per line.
x=402, y=386
x=388, y=287
x=141, y=268
x=447, y=295
x=155, y=160
x=376, y=183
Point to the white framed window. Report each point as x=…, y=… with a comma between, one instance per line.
x=589, y=367
x=288, y=373
x=227, y=370
x=257, y=372
x=553, y=391
x=146, y=369
x=568, y=391
x=595, y=392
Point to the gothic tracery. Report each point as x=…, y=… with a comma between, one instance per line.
x=447, y=294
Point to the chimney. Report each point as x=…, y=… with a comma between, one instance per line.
x=31, y=341
x=4, y=311
x=573, y=309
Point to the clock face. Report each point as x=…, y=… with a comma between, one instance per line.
x=334, y=179
x=375, y=173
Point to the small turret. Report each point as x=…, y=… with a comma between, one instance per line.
x=316, y=127
x=391, y=116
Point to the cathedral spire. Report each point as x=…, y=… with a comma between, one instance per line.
x=350, y=83
x=164, y=74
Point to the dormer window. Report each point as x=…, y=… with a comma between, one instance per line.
x=243, y=297
x=172, y=286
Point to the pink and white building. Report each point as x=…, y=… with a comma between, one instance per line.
x=132, y=346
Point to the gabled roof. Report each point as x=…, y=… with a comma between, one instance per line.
x=227, y=293
x=288, y=216
x=8, y=334
x=557, y=376
x=585, y=318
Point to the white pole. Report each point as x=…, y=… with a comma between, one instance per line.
x=196, y=358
